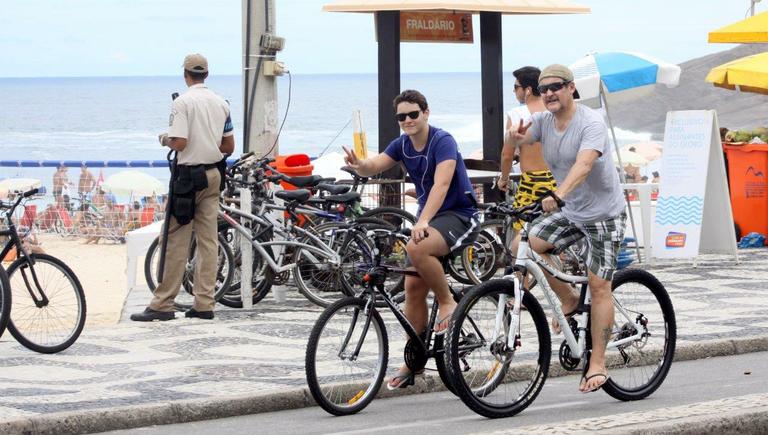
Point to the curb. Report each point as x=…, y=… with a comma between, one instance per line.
x=183, y=411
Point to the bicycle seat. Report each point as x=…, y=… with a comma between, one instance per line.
x=301, y=195
x=344, y=198
x=304, y=180
x=334, y=189
x=352, y=172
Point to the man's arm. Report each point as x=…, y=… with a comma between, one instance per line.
x=368, y=167
x=578, y=173
x=435, y=197
x=227, y=145
x=177, y=143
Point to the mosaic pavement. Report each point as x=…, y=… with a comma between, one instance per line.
x=262, y=350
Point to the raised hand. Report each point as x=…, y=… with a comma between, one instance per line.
x=517, y=136
x=351, y=159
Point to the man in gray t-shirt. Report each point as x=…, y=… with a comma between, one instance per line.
x=575, y=144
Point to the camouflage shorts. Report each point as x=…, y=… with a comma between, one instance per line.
x=603, y=239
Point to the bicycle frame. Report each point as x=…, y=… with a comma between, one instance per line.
x=15, y=241
x=530, y=261
x=266, y=220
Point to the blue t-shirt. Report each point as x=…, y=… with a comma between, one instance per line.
x=421, y=167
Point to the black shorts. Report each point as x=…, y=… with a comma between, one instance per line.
x=458, y=230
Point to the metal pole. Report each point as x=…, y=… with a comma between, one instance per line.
x=259, y=91
x=492, y=92
x=388, y=36
x=622, y=177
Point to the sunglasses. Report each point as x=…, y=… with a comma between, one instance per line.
x=413, y=115
x=554, y=87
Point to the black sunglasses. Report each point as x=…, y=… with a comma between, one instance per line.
x=413, y=115
x=554, y=87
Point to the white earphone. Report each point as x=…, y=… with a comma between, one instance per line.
x=425, y=156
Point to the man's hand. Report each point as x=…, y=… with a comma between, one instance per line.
x=503, y=184
x=164, y=139
x=515, y=136
x=549, y=204
x=419, y=231
x=351, y=159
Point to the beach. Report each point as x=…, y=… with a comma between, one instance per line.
x=101, y=271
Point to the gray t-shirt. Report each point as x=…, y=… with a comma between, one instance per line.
x=598, y=197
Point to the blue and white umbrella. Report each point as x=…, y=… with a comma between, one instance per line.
x=620, y=71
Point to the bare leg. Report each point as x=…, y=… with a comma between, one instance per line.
x=602, y=324
x=425, y=257
x=564, y=292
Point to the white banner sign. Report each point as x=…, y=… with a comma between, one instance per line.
x=693, y=194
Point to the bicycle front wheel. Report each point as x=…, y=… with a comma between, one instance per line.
x=5, y=300
x=346, y=356
x=496, y=373
x=48, y=309
x=642, y=310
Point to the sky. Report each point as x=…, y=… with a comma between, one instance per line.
x=77, y=38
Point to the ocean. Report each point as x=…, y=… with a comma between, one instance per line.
x=119, y=118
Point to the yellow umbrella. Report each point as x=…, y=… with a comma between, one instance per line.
x=749, y=74
x=753, y=29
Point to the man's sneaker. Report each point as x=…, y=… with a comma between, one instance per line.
x=207, y=315
x=149, y=315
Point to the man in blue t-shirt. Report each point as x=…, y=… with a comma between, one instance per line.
x=446, y=220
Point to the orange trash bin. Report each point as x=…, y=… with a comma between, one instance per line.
x=293, y=165
x=747, y=172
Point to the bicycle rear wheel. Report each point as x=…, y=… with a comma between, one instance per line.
x=47, y=327
x=641, y=304
x=5, y=300
x=495, y=374
x=341, y=380
x=185, y=299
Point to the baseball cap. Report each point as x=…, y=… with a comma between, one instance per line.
x=196, y=62
x=559, y=71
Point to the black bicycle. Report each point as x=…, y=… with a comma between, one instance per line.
x=47, y=304
x=348, y=348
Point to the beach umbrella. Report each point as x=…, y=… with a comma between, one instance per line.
x=747, y=74
x=649, y=150
x=19, y=185
x=630, y=158
x=751, y=30
x=614, y=72
x=133, y=183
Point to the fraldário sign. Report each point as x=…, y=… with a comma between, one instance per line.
x=436, y=27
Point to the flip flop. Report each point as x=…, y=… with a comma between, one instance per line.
x=556, y=326
x=402, y=381
x=584, y=380
x=445, y=320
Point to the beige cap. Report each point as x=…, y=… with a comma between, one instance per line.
x=196, y=62
x=559, y=71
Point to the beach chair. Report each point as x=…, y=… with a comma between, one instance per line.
x=29, y=217
x=147, y=216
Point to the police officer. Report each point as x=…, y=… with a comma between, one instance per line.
x=201, y=131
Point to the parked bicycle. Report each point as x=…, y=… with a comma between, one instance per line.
x=498, y=347
x=47, y=303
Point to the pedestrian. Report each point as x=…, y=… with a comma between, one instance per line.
x=60, y=183
x=86, y=183
x=446, y=218
x=536, y=178
x=575, y=143
x=201, y=131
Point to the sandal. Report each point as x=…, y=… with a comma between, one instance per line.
x=556, y=325
x=444, y=321
x=586, y=379
x=402, y=381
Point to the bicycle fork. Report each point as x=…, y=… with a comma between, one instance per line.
x=41, y=300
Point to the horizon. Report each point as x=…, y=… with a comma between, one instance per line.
x=143, y=38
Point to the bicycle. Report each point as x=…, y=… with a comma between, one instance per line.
x=350, y=337
x=47, y=309
x=513, y=335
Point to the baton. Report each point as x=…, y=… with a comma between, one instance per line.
x=168, y=209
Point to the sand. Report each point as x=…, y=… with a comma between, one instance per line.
x=101, y=271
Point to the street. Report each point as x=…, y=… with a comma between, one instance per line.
x=688, y=383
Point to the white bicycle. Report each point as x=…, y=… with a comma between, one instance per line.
x=498, y=349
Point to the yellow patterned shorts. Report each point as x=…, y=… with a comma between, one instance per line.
x=532, y=186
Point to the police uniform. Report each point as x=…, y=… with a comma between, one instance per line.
x=203, y=119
